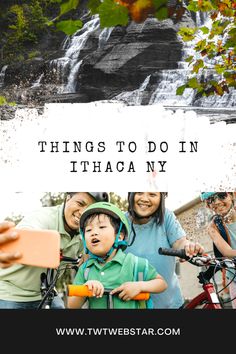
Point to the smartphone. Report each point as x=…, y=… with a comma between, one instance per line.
x=40, y=248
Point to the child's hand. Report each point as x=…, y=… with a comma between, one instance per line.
x=128, y=290
x=192, y=249
x=96, y=287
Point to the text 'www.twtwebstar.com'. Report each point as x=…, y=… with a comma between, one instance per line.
x=121, y=331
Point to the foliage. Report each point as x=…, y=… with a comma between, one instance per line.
x=215, y=41
x=3, y=101
x=22, y=25
x=52, y=199
x=215, y=48
x=14, y=218
x=119, y=201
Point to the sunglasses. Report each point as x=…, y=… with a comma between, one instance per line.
x=220, y=196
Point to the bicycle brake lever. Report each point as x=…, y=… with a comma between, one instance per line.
x=200, y=260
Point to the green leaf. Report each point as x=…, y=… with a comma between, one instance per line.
x=189, y=59
x=159, y=3
x=232, y=32
x=198, y=65
x=162, y=13
x=193, y=83
x=219, y=68
x=68, y=6
x=205, y=30
x=113, y=14
x=93, y=6
x=193, y=7
x=2, y=100
x=69, y=27
x=187, y=34
x=180, y=90
x=230, y=43
x=12, y=27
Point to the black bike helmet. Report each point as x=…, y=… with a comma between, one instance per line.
x=98, y=196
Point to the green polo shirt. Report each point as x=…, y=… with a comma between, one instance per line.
x=21, y=282
x=112, y=274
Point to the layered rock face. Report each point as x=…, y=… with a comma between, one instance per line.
x=109, y=66
x=127, y=58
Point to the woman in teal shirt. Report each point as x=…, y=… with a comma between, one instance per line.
x=153, y=226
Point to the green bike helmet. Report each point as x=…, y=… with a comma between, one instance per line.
x=113, y=211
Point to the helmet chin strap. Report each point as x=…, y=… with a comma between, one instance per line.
x=116, y=244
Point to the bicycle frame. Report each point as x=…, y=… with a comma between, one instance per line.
x=208, y=297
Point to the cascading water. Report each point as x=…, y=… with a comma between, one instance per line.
x=67, y=67
x=37, y=83
x=2, y=75
x=104, y=36
x=135, y=97
x=168, y=80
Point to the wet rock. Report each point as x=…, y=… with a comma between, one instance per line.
x=7, y=112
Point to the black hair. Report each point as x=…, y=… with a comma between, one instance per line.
x=158, y=215
x=114, y=222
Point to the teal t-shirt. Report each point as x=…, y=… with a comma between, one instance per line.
x=112, y=274
x=149, y=238
x=232, y=233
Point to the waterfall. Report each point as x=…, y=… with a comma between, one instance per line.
x=104, y=36
x=2, y=75
x=134, y=97
x=37, y=83
x=165, y=91
x=68, y=66
x=167, y=81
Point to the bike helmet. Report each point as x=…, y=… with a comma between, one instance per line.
x=206, y=195
x=113, y=211
x=100, y=196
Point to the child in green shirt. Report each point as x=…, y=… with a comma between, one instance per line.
x=105, y=229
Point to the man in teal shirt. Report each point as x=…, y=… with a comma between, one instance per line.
x=20, y=284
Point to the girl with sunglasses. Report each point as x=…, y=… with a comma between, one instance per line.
x=223, y=206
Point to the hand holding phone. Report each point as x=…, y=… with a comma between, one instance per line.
x=40, y=248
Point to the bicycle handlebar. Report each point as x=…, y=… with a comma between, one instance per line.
x=83, y=291
x=173, y=252
x=69, y=259
x=200, y=259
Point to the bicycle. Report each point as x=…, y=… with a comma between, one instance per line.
x=49, y=279
x=209, y=297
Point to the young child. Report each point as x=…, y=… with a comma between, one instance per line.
x=223, y=205
x=105, y=230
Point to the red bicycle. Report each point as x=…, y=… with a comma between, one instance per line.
x=209, y=297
